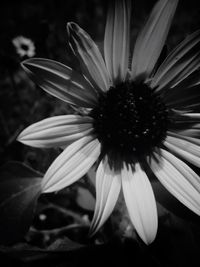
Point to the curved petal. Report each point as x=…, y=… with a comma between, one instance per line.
x=185, y=149
x=190, y=94
x=57, y=131
x=71, y=164
x=117, y=40
x=181, y=120
x=108, y=185
x=180, y=63
x=89, y=55
x=178, y=179
x=193, y=116
x=190, y=135
x=183, y=168
x=151, y=39
x=140, y=202
x=61, y=81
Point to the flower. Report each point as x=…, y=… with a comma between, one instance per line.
x=138, y=118
x=24, y=46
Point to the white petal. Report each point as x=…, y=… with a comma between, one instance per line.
x=117, y=39
x=89, y=55
x=108, y=185
x=61, y=81
x=180, y=63
x=151, y=39
x=193, y=116
x=182, y=143
x=57, y=131
x=182, y=120
x=184, y=169
x=71, y=164
x=190, y=135
x=179, y=180
x=184, y=148
x=140, y=202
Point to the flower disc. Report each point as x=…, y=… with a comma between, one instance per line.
x=130, y=120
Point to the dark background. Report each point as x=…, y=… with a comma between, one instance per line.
x=23, y=103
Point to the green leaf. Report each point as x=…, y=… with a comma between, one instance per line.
x=20, y=187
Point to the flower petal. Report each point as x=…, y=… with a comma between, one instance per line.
x=140, y=202
x=181, y=120
x=178, y=179
x=89, y=55
x=117, y=40
x=190, y=135
x=151, y=39
x=193, y=116
x=187, y=150
x=190, y=94
x=57, y=131
x=61, y=81
x=71, y=164
x=108, y=185
x=180, y=63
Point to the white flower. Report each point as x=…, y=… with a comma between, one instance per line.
x=24, y=46
x=137, y=118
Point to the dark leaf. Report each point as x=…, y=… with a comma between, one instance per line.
x=173, y=205
x=86, y=191
x=20, y=186
x=28, y=253
x=85, y=199
x=64, y=245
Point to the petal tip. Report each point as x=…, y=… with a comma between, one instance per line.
x=149, y=236
x=20, y=137
x=93, y=229
x=45, y=188
x=72, y=27
x=91, y=232
x=69, y=26
x=24, y=64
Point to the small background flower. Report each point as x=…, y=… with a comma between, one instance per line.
x=24, y=47
x=22, y=103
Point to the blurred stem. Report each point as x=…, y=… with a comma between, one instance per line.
x=56, y=232
x=46, y=237
x=68, y=213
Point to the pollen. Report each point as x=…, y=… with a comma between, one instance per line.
x=130, y=120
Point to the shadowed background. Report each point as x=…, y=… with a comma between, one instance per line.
x=23, y=103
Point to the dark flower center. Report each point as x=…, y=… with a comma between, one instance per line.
x=130, y=121
x=25, y=47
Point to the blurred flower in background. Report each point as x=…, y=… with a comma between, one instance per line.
x=24, y=46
